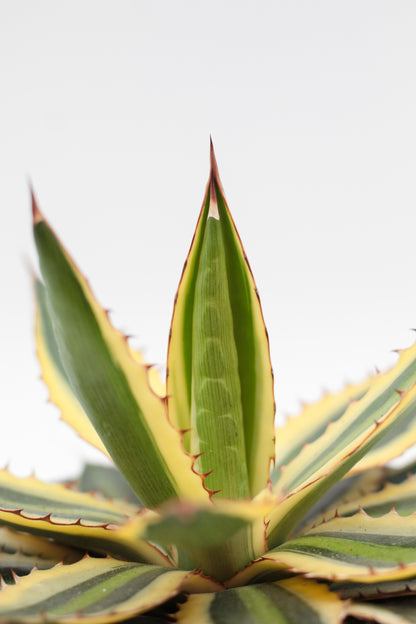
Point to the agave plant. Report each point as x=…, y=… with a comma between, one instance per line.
x=211, y=514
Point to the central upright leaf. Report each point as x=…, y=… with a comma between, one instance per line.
x=220, y=382
x=217, y=429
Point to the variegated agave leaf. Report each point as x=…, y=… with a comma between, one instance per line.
x=192, y=523
x=220, y=384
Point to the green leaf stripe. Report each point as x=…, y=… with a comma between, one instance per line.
x=54, y=374
x=254, y=370
x=365, y=549
x=217, y=432
x=89, y=590
x=47, y=330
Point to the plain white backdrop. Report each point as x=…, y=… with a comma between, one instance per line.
x=108, y=106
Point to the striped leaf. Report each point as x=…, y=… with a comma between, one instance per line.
x=20, y=564
x=384, y=394
x=358, y=548
x=75, y=518
x=291, y=601
x=312, y=422
x=396, y=441
x=348, y=491
x=94, y=591
x=401, y=497
x=111, y=386
x=20, y=553
x=13, y=542
x=390, y=399
x=219, y=380
x=33, y=498
x=377, y=591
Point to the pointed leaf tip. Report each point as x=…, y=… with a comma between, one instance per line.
x=214, y=183
x=37, y=215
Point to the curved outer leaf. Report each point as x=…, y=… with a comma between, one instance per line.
x=19, y=563
x=21, y=553
x=108, y=481
x=111, y=386
x=388, y=612
x=401, y=496
x=13, y=542
x=249, y=333
x=383, y=395
x=378, y=591
x=358, y=548
x=55, y=377
x=391, y=398
x=349, y=490
x=392, y=445
x=293, y=600
x=74, y=518
x=37, y=498
x=94, y=591
x=312, y=422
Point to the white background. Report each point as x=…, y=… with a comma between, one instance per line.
x=108, y=106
